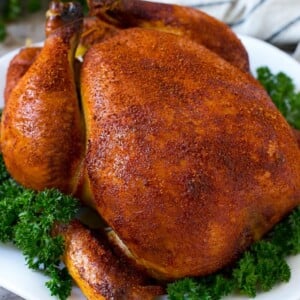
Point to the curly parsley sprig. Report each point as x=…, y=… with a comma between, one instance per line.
x=27, y=219
x=282, y=91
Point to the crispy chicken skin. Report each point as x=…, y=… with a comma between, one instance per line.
x=297, y=135
x=98, y=272
x=189, y=160
x=42, y=131
x=179, y=20
x=18, y=67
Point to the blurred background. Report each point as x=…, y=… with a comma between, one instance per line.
x=22, y=22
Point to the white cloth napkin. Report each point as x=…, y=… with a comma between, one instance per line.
x=275, y=21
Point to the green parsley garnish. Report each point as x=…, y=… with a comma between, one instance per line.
x=34, y=5
x=27, y=219
x=282, y=91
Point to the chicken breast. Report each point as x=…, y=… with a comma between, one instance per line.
x=188, y=159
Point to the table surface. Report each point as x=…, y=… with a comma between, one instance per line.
x=6, y=295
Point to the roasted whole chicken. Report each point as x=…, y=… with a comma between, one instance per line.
x=162, y=130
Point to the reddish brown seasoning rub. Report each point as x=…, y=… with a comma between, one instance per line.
x=98, y=272
x=183, y=21
x=18, y=66
x=188, y=159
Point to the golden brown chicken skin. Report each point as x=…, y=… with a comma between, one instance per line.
x=98, y=272
x=18, y=66
x=42, y=131
x=188, y=159
x=297, y=135
x=179, y=20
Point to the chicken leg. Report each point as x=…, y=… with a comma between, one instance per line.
x=42, y=131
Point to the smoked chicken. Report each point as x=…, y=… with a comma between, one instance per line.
x=181, y=152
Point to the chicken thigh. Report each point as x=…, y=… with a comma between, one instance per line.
x=18, y=67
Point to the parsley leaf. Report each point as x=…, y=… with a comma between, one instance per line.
x=286, y=234
x=281, y=89
x=207, y=288
x=60, y=283
x=186, y=288
x=27, y=219
x=260, y=268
